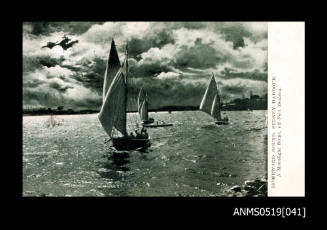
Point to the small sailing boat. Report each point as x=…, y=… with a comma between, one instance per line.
x=157, y=124
x=210, y=103
x=150, y=123
x=143, y=107
x=113, y=113
x=143, y=111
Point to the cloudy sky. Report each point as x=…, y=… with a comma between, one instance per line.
x=173, y=61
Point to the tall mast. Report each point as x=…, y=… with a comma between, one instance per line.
x=126, y=63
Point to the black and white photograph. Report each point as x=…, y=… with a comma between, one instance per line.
x=145, y=109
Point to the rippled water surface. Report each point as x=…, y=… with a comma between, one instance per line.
x=194, y=157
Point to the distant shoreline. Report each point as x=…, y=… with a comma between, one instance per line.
x=255, y=102
x=188, y=108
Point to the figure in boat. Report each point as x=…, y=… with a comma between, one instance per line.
x=210, y=103
x=141, y=135
x=113, y=113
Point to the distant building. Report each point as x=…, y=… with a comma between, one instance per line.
x=254, y=102
x=60, y=108
x=253, y=97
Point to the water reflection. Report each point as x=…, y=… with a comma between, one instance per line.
x=115, y=169
x=119, y=160
x=115, y=166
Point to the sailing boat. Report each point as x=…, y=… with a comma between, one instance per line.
x=113, y=112
x=211, y=103
x=146, y=121
x=143, y=111
x=143, y=107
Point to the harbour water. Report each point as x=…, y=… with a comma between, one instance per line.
x=194, y=157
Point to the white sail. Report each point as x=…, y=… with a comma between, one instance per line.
x=113, y=66
x=140, y=99
x=209, y=96
x=144, y=111
x=113, y=110
x=215, y=109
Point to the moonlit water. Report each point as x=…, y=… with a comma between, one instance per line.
x=194, y=157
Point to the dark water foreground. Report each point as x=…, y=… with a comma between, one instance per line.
x=192, y=158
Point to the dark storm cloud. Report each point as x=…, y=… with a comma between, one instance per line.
x=205, y=52
x=234, y=31
x=236, y=35
x=238, y=43
x=49, y=62
x=238, y=90
x=188, y=25
x=235, y=89
x=200, y=56
x=32, y=63
x=33, y=97
x=93, y=76
x=167, y=92
x=169, y=59
x=138, y=46
x=60, y=88
x=65, y=79
x=72, y=68
x=228, y=73
x=164, y=92
x=54, y=99
x=89, y=103
x=76, y=27
x=33, y=83
x=148, y=69
x=45, y=28
x=37, y=28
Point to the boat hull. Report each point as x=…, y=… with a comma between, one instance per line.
x=151, y=120
x=155, y=125
x=125, y=144
x=221, y=122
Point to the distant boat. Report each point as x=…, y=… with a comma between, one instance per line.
x=143, y=111
x=113, y=111
x=155, y=125
x=142, y=104
x=210, y=103
x=151, y=123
